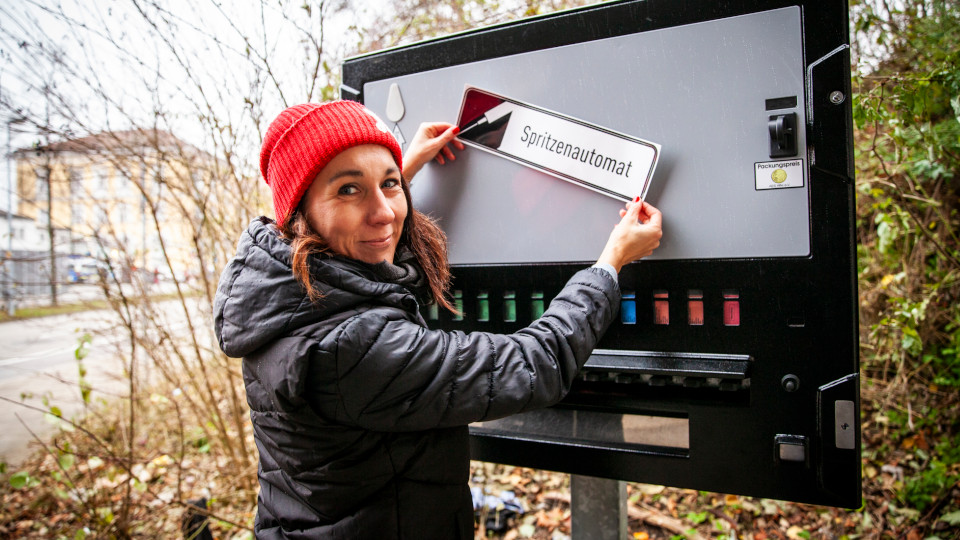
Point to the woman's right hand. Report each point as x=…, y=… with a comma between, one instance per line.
x=431, y=142
x=635, y=237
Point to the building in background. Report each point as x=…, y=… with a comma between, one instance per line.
x=26, y=235
x=132, y=200
x=25, y=265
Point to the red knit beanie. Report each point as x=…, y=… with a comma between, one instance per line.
x=304, y=138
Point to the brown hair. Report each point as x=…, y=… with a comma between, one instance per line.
x=420, y=234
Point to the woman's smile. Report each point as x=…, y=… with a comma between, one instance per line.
x=379, y=242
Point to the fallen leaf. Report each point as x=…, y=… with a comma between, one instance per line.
x=549, y=519
x=909, y=442
x=794, y=533
x=672, y=507
x=649, y=489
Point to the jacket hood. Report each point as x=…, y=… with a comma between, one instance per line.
x=259, y=300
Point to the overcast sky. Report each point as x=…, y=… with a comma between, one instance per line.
x=113, y=64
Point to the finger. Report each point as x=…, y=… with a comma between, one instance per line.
x=448, y=153
x=450, y=133
x=436, y=128
x=642, y=216
x=648, y=211
x=655, y=217
x=645, y=210
x=624, y=215
x=633, y=211
x=439, y=158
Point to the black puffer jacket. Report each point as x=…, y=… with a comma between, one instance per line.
x=359, y=410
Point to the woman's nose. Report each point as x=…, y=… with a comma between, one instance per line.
x=380, y=210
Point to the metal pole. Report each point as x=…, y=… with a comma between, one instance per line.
x=598, y=508
x=8, y=283
x=49, y=173
x=7, y=293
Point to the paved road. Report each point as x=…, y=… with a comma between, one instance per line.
x=66, y=294
x=37, y=356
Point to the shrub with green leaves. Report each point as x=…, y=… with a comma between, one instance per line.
x=906, y=111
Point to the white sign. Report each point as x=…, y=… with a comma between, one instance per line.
x=779, y=174
x=593, y=157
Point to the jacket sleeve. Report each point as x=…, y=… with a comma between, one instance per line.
x=395, y=375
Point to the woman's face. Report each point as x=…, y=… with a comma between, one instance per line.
x=357, y=204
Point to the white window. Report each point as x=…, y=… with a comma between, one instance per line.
x=101, y=216
x=76, y=182
x=43, y=186
x=124, y=181
x=77, y=213
x=162, y=172
x=101, y=189
x=196, y=176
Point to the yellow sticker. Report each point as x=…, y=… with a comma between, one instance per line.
x=779, y=174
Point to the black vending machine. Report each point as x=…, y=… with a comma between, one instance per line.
x=734, y=366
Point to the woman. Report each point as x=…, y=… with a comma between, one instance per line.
x=359, y=410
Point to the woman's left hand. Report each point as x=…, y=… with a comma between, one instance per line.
x=432, y=141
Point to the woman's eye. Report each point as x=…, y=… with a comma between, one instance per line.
x=348, y=189
x=391, y=183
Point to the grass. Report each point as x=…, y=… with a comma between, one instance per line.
x=34, y=312
x=47, y=311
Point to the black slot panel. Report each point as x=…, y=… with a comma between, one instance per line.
x=635, y=380
x=671, y=364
